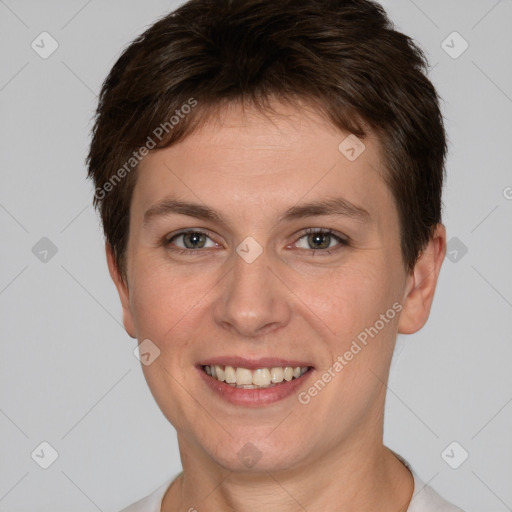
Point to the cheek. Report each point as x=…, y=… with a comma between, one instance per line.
x=348, y=299
x=160, y=297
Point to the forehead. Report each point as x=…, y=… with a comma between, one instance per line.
x=286, y=134
x=250, y=159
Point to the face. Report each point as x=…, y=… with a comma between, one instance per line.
x=290, y=254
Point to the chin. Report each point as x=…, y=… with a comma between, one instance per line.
x=246, y=454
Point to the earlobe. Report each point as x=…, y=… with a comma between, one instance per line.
x=122, y=290
x=421, y=284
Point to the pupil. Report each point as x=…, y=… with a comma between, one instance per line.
x=317, y=238
x=195, y=240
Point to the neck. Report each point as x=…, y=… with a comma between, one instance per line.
x=365, y=478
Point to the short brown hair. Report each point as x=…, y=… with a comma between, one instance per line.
x=342, y=56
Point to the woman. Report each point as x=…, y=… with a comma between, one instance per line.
x=269, y=179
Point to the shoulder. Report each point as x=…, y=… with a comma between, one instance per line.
x=152, y=502
x=425, y=499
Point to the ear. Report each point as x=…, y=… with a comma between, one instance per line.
x=421, y=284
x=122, y=290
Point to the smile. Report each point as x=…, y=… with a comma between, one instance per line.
x=259, y=378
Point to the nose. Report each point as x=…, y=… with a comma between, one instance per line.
x=252, y=301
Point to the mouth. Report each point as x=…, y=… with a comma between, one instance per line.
x=254, y=382
x=258, y=378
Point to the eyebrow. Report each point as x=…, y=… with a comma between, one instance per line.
x=334, y=206
x=171, y=206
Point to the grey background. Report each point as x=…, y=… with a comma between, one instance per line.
x=67, y=369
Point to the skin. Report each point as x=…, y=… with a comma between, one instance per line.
x=291, y=302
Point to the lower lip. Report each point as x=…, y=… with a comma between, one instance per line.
x=254, y=397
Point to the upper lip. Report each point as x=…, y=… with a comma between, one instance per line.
x=253, y=364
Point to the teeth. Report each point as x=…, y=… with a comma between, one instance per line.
x=252, y=379
x=243, y=376
x=276, y=375
x=261, y=377
x=229, y=374
x=220, y=372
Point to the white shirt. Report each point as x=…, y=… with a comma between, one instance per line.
x=424, y=499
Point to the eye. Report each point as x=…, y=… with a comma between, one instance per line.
x=190, y=240
x=318, y=239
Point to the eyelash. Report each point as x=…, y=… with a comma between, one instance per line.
x=167, y=242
